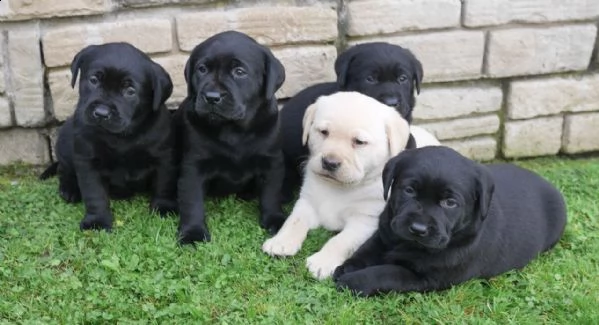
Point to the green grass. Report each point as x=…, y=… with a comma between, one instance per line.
x=50, y=272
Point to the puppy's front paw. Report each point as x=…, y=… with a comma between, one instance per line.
x=96, y=222
x=193, y=233
x=357, y=283
x=279, y=246
x=164, y=206
x=322, y=265
x=70, y=195
x=348, y=266
x=272, y=222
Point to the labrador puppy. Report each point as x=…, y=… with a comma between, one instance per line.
x=229, y=129
x=449, y=219
x=119, y=140
x=350, y=137
x=388, y=73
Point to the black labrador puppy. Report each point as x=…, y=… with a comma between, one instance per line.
x=389, y=73
x=229, y=124
x=119, y=140
x=449, y=219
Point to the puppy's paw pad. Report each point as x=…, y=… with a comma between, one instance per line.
x=96, y=222
x=164, y=206
x=193, y=234
x=322, y=265
x=277, y=246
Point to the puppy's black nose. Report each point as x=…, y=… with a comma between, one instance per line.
x=102, y=112
x=330, y=164
x=391, y=101
x=418, y=229
x=213, y=97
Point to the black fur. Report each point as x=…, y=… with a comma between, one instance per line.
x=386, y=72
x=449, y=219
x=119, y=140
x=229, y=127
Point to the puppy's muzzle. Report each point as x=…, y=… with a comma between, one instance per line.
x=102, y=112
x=330, y=164
x=418, y=229
x=213, y=97
x=390, y=101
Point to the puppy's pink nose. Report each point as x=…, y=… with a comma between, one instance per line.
x=330, y=164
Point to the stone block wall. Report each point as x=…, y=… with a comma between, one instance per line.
x=503, y=78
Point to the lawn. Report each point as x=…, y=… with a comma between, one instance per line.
x=50, y=272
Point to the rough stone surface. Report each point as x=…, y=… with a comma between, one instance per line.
x=23, y=145
x=464, y=127
x=481, y=149
x=548, y=96
x=305, y=66
x=268, y=25
x=375, y=17
x=27, y=77
x=454, y=55
x=525, y=51
x=152, y=3
x=496, y=12
x=441, y=102
x=64, y=98
x=534, y=137
x=27, y=9
x=2, y=74
x=149, y=35
x=581, y=133
x=5, y=119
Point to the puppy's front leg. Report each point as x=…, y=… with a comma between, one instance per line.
x=164, y=198
x=370, y=253
x=270, y=186
x=95, y=197
x=289, y=239
x=383, y=278
x=323, y=263
x=192, y=220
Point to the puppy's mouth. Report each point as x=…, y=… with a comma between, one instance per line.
x=107, y=119
x=331, y=178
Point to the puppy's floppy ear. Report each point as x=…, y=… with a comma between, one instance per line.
x=162, y=85
x=485, y=187
x=418, y=71
x=389, y=175
x=79, y=59
x=398, y=133
x=274, y=74
x=307, y=122
x=342, y=65
x=188, y=74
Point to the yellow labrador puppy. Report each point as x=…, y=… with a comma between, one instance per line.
x=351, y=136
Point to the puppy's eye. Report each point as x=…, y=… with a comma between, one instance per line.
x=325, y=133
x=359, y=142
x=370, y=79
x=202, y=69
x=94, y=81
x=239, y=72
x=448, y=203
x=403, y=78
x=129, y=91
x=409, y=191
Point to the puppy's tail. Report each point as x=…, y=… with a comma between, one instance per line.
x=52, y=170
